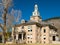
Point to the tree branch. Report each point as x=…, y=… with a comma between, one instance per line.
x=1, y=27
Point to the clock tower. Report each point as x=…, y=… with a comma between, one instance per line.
x=35, y=14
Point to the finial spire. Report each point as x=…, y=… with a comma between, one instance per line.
x=36, y=12
x=36, y=7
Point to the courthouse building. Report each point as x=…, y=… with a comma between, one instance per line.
x=35, y=30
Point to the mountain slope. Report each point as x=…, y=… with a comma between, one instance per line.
x=56, y=22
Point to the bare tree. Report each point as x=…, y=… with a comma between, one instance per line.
x=8, y=18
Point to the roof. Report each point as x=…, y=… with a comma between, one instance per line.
x=27, y=23
x=40, y=24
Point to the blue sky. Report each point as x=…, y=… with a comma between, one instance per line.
x=47, y=8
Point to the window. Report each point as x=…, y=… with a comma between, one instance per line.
x=14, y=37
x=29, y=29
x=57, y=35
x=44, y=38
x=44, y=35
x=31, y=41
x=53, y=38
x=55, y=30
x=44, y=41
x=20, y=36
x=22, y=27
x=29, y=36
x=28, y=41
x=44, y=30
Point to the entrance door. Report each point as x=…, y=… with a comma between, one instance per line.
x=53, y=38
x=20, y=36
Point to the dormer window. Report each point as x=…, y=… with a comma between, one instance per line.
x=29, y=36
x=22, y=21
x=29, y=27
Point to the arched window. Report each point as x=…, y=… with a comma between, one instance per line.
x=44, y=30
x=44, y=38
x=53, y=38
